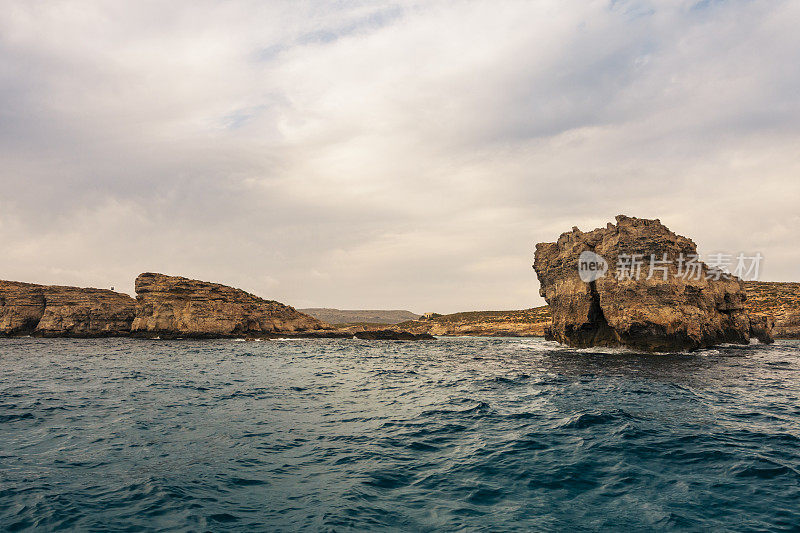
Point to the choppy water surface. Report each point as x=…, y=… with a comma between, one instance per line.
x=453, y=434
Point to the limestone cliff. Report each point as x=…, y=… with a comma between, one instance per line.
x=56, y=311
x=779, y=300
x=662, y=312
x=172, y=306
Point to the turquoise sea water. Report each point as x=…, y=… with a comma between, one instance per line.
x=467, y=434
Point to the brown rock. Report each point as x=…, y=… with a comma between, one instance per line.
x=778, y=299
x=762, y=327
x=648, y=314
x=172, y=306
x=56, y=311
x=21, y=307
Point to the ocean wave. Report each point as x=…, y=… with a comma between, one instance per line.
x=465, y=434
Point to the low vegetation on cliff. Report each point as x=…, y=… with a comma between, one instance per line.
x=518, y=323
x=780, y=300
x=354, y=316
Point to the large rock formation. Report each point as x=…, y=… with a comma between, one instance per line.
x=662, y=312
x=171, y=306
x=55, y=311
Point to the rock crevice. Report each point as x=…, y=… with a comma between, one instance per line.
x=669, y=311
x=56, y=311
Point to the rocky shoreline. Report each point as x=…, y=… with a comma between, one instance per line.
x=58, y=311
x=166, y=307
x=170, y=307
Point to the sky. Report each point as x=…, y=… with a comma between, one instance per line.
x=404, y=155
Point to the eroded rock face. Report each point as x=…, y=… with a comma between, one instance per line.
x=649, y=313
x=172, y=306
x=56, y=311
x=778, y=300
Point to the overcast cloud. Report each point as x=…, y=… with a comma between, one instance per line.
x=398, y=155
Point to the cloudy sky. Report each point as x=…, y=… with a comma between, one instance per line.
x=388, y=155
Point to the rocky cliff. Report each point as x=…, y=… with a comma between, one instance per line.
x=780, y=300
x=663, y=310
x=55, y=311
x=172, y=306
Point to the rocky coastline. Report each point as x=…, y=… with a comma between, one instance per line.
x=171, y=307
x=166, y=307
x=57, y=311
x=518, y=323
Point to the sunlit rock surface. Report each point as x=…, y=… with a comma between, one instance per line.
x=56, y=311
x=642, y=312
x=172, y=306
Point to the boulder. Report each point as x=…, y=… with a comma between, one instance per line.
x=762, y=328
x=56, y=311
x=172, y=306
x=661, y=310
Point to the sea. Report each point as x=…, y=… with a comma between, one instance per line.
x=454, y=434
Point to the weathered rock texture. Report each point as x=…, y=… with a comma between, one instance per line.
x=780, y=300
x=171, y=306
x=648, y=314
x=55, y=311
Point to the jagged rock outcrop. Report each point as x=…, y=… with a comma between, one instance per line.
x=172, y=306
x=762, y=327
x=663, y=312
x=56, y=311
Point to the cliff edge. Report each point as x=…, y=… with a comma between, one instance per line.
x=56, y=311
x=172, y=306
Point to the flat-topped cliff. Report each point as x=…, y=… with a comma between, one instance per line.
x=56, y=311
x=172, y=306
